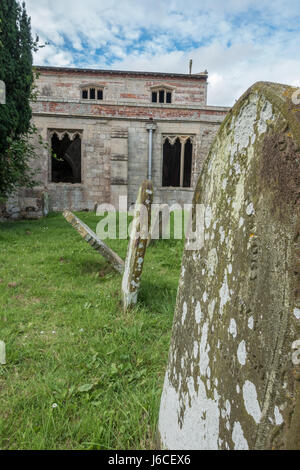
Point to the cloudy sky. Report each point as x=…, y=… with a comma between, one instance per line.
x=238, y=41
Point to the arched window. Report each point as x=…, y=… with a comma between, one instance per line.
x=171, y=166
x=188, y=158
x=66, y=158
x=177, y=162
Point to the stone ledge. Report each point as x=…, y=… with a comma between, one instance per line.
x=135, y=104
x=119, y=158
x=118, y=182
x=175, y=189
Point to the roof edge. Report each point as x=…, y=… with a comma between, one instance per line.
x=195, y=76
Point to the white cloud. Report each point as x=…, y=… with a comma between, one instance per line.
x=55, y=56
x=238, y=42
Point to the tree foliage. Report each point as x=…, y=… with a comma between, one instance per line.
x=16, y=71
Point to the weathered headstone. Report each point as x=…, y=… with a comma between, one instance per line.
x=2, y=353
x=137, y=245
x=2, y=92
x=45, y=203
x=91, y=238
x=233, y=378
x=156, y=225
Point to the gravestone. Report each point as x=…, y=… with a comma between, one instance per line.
x=91, y=238
x=233, y=377
x=137, y=245
x=45, y=203
x=2, y=353
x=156, y=225
x=2, y=92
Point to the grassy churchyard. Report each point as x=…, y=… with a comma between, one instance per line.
x=80, y=373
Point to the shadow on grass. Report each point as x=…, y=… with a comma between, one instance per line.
x=158, y=295
x=99, y=269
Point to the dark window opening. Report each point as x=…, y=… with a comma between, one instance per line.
x=171, y=164
x=188, y=157
x=154, y=97
x=92, y=94
x=66, y=166
x=161, y=96
x=175, y=155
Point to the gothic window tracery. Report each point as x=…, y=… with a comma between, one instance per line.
x=177, y=161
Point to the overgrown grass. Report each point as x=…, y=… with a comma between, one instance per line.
x=70, y=344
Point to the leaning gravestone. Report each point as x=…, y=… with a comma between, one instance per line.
x=45, y=203
x=233, y=379
x=137, y=245
x=155, y=233
x=91, y=238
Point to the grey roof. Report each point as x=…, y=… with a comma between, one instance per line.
x=123, y=72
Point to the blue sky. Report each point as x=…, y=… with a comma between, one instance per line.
x=238, y=41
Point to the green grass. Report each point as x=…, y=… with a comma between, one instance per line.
x=69, y=343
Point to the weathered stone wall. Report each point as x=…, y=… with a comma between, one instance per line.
x=232, y=380
x=114, y=133
x=25, y=204
x=122, y=87
x=95, y=163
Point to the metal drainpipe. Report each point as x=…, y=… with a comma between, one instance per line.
x=150, y=154
x=150, y=128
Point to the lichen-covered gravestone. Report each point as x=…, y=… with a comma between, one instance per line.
x=91, y=238
x=137, y=245
x=233, y=378
x=2, y=353
x=155, y=233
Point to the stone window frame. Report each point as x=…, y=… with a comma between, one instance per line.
x=183, y=138
x=167, y=89
x=71, y=133
x=91, y=86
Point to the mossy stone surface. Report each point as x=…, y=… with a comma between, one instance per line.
x=137, y=245
x=231, y=381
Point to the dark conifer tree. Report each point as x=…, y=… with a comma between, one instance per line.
x=16, y=47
